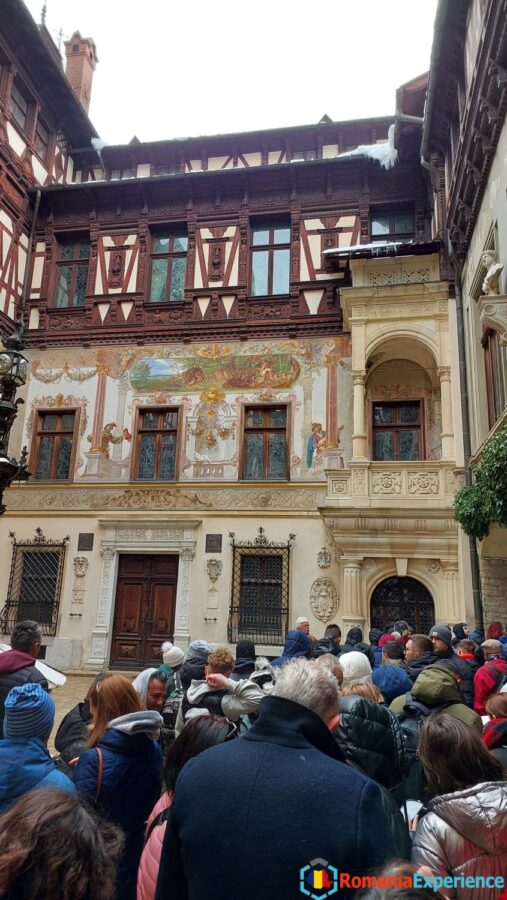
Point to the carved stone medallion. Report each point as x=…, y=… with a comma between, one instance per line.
x=324, y=599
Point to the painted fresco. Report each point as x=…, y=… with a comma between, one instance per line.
x=276, y=371
x=209, y=384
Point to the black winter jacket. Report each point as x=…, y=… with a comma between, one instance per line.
x=326, y=645
x=415, y=667
x=369, y=736
x=466, y=669
x=16, y=668
x=72, y=735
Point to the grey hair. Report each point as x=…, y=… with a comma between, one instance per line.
x=302, y=620
x=329, y=662
x=304, y=681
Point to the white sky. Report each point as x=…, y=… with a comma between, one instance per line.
x=174, y=69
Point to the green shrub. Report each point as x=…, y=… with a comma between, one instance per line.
x=476, y=506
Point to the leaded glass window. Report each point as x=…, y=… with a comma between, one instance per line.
x=270, y=268
x=72, y=273
x=168, y=267
x=156, y=444
x=397, y=432
x=53, y=445
x=41, y=140
x=265, y=443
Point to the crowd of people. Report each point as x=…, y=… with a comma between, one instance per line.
x=221, y=775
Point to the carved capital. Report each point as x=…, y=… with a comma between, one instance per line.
x=444, y=373
x=493, y=314
x=359, y=377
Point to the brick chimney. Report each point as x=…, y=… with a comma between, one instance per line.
x=81, y=56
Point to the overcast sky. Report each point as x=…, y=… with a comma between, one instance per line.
x=174, y=69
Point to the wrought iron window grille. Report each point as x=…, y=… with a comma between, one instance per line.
x=35, y=583
x=259, y=609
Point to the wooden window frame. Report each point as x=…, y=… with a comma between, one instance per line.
x=43, y=157
x=396, y=427
x=391, y=213
x=265, y=430
x=28, y=128
x=38, y=434
x=170, y=255
x=73, y=263
x=271, y=249
x=495, y=374
x=138, y=431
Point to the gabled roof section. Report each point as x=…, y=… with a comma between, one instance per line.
x=44, y=65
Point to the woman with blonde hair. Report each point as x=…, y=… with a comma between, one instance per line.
x=120, y=772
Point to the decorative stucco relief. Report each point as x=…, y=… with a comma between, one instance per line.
x=324, y=599
x=386, y=483
x=167, y=498
x=423, y=482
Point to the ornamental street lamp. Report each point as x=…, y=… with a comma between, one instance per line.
x=13, y=374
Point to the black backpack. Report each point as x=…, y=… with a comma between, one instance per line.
x=211, y=701
x=411, y=720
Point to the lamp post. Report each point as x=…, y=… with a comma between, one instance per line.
x=13, y=373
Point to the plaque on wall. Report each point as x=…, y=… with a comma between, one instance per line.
x=85, y=540
x=213, y=543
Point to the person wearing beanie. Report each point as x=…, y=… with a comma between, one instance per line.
x=196, y=659
x=441, y=638
x=173, y=657
x=25, y=763
x=245, y=660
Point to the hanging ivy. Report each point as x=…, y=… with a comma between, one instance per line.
x=479, y=505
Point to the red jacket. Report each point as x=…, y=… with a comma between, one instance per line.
x=486, y=682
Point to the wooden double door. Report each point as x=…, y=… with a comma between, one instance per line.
x=144, y=609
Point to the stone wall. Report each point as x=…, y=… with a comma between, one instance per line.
x=494, y=590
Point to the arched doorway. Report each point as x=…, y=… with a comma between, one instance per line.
x=402, y=598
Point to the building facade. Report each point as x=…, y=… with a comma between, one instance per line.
x=243, y=401
x=465, y=141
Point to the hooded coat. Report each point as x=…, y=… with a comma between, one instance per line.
x=16, y=668
x=391, y=680
x=132, y=762
x=297, y=644
x=416, y=666
x=437, y=686
x=25, y=765
x=237, y=699
x=285, y=797
x=465, y=833
x=355, y=668
x=72, y=735
x=354, y=641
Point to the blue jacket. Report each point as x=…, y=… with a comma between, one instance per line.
x=297, y=644
x=130, y=788
x=25, y=765
x=391, y=681
x=377, y=653
x=285, y=797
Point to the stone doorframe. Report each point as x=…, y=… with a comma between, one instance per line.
x=141, y=536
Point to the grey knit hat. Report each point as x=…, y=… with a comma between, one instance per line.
x=443, y=632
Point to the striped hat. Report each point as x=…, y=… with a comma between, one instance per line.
x=29, y=712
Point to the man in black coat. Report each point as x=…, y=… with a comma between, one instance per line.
x=17, y=666
x=250, y=814
x=419, y=653
x=330, y=643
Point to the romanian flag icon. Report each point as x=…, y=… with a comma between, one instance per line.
x=318, y=879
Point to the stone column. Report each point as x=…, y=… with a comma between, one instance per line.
x=181, y=632
x=444, y=373
x=94, y=454
x=451, y=611
x=353, y=607
x=359, y=424
x=100, y=633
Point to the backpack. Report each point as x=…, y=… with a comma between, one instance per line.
x=211, y=701
x=499, y=676
x=411, y=719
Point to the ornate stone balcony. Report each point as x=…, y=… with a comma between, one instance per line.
x=400, y=485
